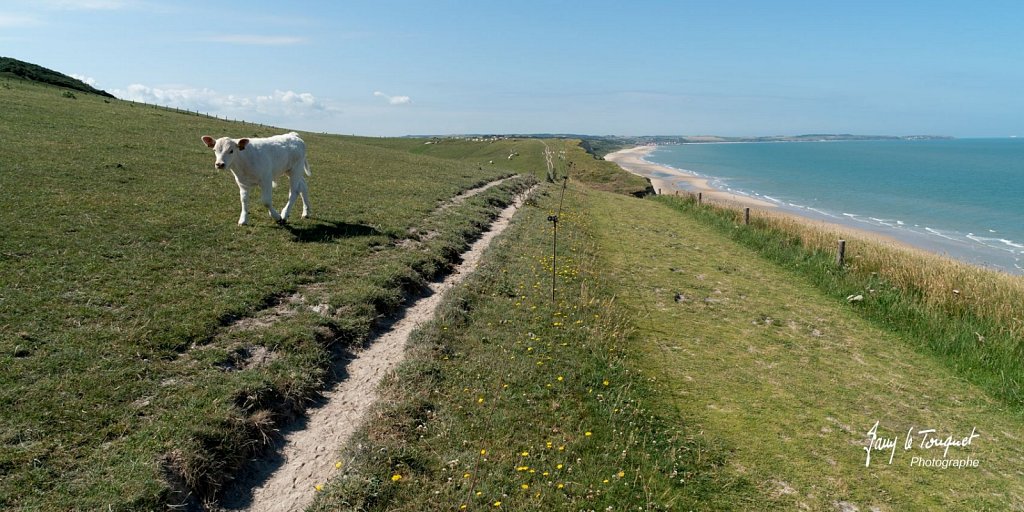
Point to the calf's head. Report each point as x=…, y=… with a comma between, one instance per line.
x=224, y=149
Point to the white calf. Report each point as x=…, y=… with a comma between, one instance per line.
x=259, y=162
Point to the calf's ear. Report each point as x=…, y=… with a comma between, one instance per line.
x=242, y=143
x=209, y=141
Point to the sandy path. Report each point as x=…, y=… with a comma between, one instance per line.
x=286, y=481
x=632, y=160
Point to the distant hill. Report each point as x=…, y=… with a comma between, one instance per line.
x=600, y=145
x=28, y=71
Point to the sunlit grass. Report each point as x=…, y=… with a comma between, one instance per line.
x=510, y=400
x=970, y=316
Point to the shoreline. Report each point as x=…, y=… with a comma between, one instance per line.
x=672, y=181
x=669, y=181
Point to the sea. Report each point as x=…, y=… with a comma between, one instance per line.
x=960, y=197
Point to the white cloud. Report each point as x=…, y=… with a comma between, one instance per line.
x=394, y=100
x=274, y=107
x=88, y=5
x=88, y=80
x=248, y=39
x=17, y=20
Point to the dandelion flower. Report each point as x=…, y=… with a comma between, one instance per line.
x=337, y=465
x=587, y=433
x=525, y=454
x=525, y=486
x=605, y=383
x=483, y=452
x=318, y=487
x=497, y=503
x=466, y=475
x=621, y=474
x=561, y=486
x=396, y=477
x=558, y=466
x=560, y=378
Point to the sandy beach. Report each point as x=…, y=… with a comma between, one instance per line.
x=669, y=181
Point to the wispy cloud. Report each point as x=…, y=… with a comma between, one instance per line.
x=258, y=40
x=276, y=105
x=394, y=100
x=89, y=5
x=18, y=20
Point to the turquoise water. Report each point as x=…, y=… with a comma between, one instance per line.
x=963, y=197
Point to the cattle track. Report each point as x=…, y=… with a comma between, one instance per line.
x=306, y=455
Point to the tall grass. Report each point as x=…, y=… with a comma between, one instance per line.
x=968, y=316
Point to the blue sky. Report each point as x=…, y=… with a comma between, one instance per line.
x=596, y=67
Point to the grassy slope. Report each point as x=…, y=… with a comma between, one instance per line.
x=122, y=272
x=791, y=379
x=529, y=157
x=509, y=401
x=765, y=387
x=967, y=316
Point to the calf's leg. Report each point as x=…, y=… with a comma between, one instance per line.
x=304, y=191
x=292, y=194
x=244, y=196
x=267, y=198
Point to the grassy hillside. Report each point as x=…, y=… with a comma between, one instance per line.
x=791, y=379
x=966, y=316
x=149, y=343
x=710, y=364
x=527, y=155
x=15, y=68
x=511, y=401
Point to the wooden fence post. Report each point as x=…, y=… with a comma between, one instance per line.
x=746, y=216
x=700, y=197
x=841, y=253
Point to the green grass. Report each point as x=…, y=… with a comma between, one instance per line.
x=123, y=278
x=966, y=316
x=528, y=156
x=790, y=379
x=507, y=397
